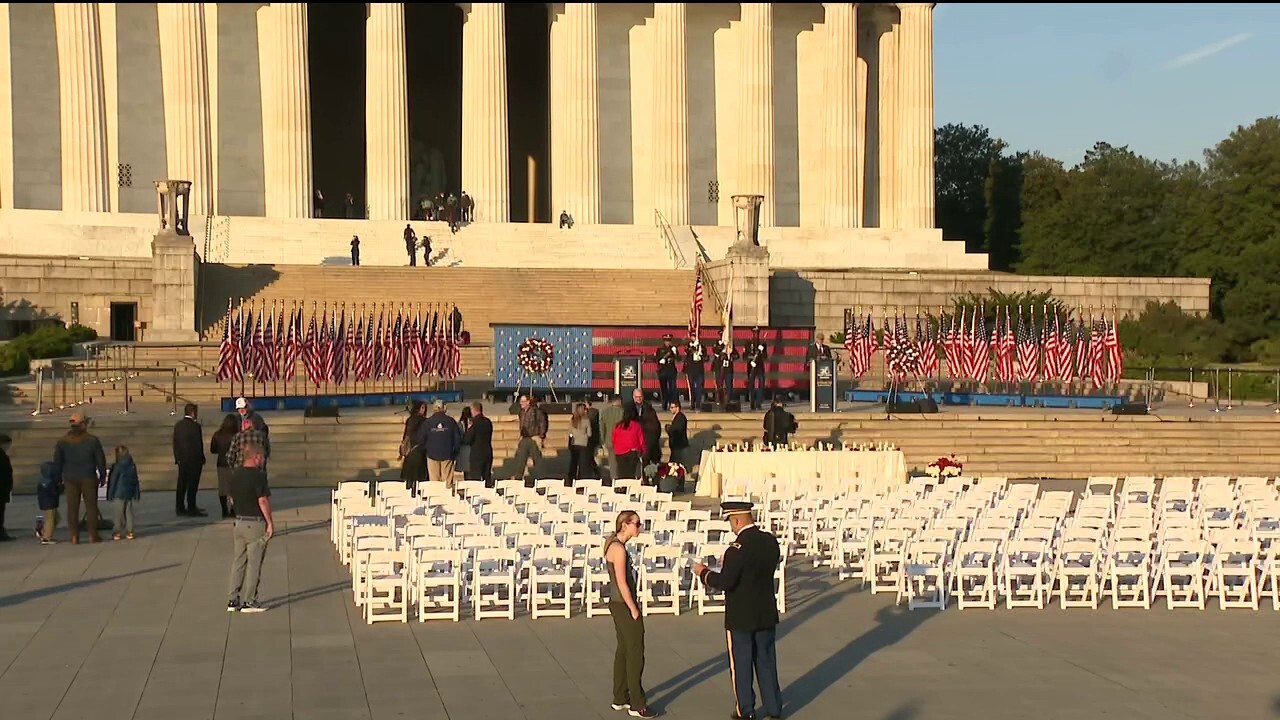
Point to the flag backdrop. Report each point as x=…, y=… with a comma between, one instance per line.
x=570, y=367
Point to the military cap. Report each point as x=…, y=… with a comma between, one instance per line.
x=735, y=508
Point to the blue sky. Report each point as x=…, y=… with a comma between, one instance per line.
x=1166, y=80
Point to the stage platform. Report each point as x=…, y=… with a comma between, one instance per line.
x=266, y=403
x=1082, y=402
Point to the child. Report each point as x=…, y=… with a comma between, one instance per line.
x=47, y=495
x=123, y=488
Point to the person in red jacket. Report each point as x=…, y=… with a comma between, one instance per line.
x=628, y=444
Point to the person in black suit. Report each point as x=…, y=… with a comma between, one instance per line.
x=779, y=424
x=819, y=350
x=678, y=437
x=722, y=361
x=751, y=610
x=480, y=438
x=188, y=455
x=650, y=425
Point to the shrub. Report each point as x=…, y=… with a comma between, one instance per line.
x=1165, y=336
x=80, y=334
x=13, y=360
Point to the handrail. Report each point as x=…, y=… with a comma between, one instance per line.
x=677, y=255
x=673, y=247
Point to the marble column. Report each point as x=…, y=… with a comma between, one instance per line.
x=755, y=107
x=841, y=206
x=886, y=119
x=386, y=114
x=184, y=73
x=286, y=104
x=915, y=138
x=670, y=145
x=575, y=112
x=485, y=149
x=85, y=175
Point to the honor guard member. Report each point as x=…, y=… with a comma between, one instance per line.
x=666, y=358
x=751, y=610
x=722, y=361
x=819, y=350
x=755, y=355
x=695, y=363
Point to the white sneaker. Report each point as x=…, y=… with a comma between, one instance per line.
x=623, y=706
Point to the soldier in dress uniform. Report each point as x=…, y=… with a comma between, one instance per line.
x=755, y=354
x=722, y=361
x=666, y=358
x=751, y=610
x=695, y=363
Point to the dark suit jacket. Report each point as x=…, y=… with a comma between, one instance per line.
x=746, y=578
x=813, y=354
x=188, y=442
x=480, y=437
x=678, y=432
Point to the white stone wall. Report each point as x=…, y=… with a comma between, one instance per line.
x=34, y=288
x=807, y=298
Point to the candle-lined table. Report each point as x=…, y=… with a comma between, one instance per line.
x=876, y=469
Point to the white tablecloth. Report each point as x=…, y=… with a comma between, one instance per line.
x=875, y=469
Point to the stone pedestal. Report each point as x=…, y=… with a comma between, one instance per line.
x=746, y=218
x=173, y=268
x=742, y=279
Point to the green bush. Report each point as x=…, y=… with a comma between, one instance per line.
x=13, y=360
x=80, y=333
x=1166, y=337
x=50, y=341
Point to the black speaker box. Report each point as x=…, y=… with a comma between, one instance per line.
x=923, y=405
x=732, y=406
x=1129, y=409
x=326, y=411
x=927, y=405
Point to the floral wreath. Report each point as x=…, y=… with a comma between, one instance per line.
x=535, y=355
x=670, y=469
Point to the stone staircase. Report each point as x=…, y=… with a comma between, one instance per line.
x=792, y=247
x=484, y=295
x=323, y=451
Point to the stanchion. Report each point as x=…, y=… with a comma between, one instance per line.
x=1191, y=388
x=1229, y=374
x=1277, y=384
x=1151, y=381
x=174, y=411
x=39, y=373
x=126, y=394
x=1217, y=389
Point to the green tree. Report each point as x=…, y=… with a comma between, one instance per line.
x=1003, y=196
x=963, y=155
x=1165, y=336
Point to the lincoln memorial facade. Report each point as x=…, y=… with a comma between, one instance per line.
x=612, y=112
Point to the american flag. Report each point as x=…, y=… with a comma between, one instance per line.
x=257, y=363
x=330, y=345
x=927, y=344
x=455, y=350
x=248, y=356
x=228, y=354
x=1028, y=355
x=1097, y=352
x=850, y=331
x=1051, y=340
x=428, y=341
x=391, y=347
x=374, y=348
x=1113, y=351
x=368, y=351
x=311, y=352
x=337, y=349
x=951, y=347
x=1081, y=332
x=413, y=337
x=356, y=351
x=862, y=346
x=979, y=350
x=695, y=308
x=266, y=351
x=292, y=345
x=1003, y=340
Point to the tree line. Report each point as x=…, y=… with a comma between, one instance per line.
x=1117, y=213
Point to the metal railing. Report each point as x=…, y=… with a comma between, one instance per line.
x=1227, y=388
x=67, y=385
x=673, y=247
x=677, y=256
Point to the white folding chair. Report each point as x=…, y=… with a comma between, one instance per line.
x=1181, y=578
x=976, y=584
x=551, y=582
x=925, y=571
x=1235, y=562
x=661, y=568
x=386, y=586
x=493, y=585
x=1025, y=572
x=437, y=575
x=1079, y=572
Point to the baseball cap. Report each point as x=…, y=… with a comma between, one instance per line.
x=241, y=403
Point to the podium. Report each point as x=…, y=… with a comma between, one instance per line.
x=626, y=375
x=822, y=385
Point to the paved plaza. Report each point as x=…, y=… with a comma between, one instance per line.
x=139, y=630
